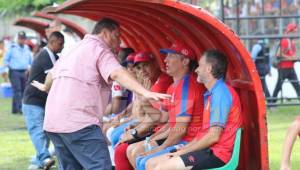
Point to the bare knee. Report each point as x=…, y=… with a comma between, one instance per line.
x=150, y=164
x=129, y=151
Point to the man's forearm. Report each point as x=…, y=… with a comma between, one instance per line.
x=173, y=138
x=48, y=82
x=160, y=135
x=128, y=81
x=163, y=130
x=206, y=141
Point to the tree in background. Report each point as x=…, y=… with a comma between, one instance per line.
x=16, y=7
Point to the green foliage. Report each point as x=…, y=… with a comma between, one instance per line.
x=19, y=6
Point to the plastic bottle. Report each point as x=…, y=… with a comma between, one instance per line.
x=147, y=144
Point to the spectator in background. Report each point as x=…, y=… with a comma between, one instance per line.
x=291, y=135
x=18, y=59
x=261, y=58
x=34, y=101
x=286, y=65
x=56, y=25
x=3, y=69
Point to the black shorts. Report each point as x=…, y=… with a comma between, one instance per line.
x=160, y=141
x=203, y=159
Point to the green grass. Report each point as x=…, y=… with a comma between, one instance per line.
x=278, y=122
x=16, y=148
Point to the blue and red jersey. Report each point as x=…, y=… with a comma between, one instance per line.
x=222, y=108
x=186, y=100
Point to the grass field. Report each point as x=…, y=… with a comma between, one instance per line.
x=16, y=148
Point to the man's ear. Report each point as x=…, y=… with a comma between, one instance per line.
x=105, y=33
x=209, y=68
x=186, y=62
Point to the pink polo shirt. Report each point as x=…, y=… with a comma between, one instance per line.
x=80, y=89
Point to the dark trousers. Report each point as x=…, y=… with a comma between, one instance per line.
x=265, y=87
x=18, y=79
x=84, y=149
x=290, y=74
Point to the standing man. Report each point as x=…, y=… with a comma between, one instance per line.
x=286, y=65
x=34, y=101
x=79, y=93
x=259, y=54
x=18, y=59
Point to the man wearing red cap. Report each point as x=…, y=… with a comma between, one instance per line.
x=184, y=108
x=150, y=76
x=286, y=65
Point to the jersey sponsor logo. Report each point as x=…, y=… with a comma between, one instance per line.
x=191, y=158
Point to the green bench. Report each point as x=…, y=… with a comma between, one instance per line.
x=234, y=161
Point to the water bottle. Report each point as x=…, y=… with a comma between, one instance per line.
x=147, y=144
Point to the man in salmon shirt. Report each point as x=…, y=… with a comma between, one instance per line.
x=286, y=66
x=80, y=87
x=184, y=108
x=213, y=145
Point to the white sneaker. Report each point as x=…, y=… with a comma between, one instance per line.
x=48, y=163
x=34, y=167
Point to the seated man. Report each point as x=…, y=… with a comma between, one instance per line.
x=147, y=73
x=184, y=109
x=213, y=145
x=120, y=96
x=151, y=123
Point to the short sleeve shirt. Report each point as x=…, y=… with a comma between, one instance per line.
x=222, y=108
x=288, y=48
x=186, y=100
x=81, y=86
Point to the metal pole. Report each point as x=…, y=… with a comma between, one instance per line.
x=222, y=11
x=238, y=16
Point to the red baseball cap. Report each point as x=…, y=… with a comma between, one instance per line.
x=180, y=48
x=142, y=57
x=130, y=58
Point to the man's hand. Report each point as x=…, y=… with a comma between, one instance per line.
x=126, y=137
x=151, y=152
x=38, y=85
x=156, y=96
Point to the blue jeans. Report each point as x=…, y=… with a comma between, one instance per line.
x=34, y=118
x=118, y=131
x=141, y=161
x=83, y=149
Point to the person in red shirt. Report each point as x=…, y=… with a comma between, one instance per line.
x=184, y=109
x=146, y=67
x=286, y=66
x=212, y=147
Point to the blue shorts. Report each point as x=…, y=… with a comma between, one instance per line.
x=118, y=131
x=141, y=161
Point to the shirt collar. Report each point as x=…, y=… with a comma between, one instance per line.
x=217, y=83
x=95, y=37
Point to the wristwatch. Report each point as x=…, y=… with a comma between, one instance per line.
x=134, y=133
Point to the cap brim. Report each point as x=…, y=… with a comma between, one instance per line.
x=166, y=51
